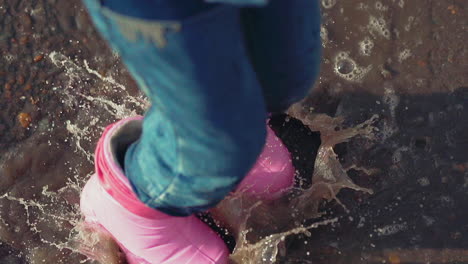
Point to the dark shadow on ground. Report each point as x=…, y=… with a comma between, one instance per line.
x=420, y=190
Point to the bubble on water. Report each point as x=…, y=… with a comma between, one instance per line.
x=9, y=58
x=379, y=26
x=366, y=46
x=345, y=66
x=362, y=6
x=348, y=69
x=410, y=23
x=401, y=3
x=328, y=3
x=405, y=54
x=379, y=6
x=424, y=181
x=386, y=34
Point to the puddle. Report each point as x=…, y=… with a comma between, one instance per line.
x=396, y=99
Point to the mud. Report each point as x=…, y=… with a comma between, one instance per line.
x=405, y=61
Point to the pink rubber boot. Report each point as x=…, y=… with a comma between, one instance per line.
x=272, y=174
x=149, y=236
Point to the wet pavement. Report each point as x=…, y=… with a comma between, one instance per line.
x=405, y=61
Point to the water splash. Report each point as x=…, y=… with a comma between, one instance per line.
x=41, y=189
x=77, y=74
x=261, y=227
x=54, y=225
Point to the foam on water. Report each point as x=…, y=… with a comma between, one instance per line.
x=404, y=54
x=328, y=3
x=379, y=26
x=348, y=69
x=379, y=6
x=366, y=46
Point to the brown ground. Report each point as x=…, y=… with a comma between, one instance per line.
x=414, y=75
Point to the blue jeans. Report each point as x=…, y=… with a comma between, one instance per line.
x=212, y=72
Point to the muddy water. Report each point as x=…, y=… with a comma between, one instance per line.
x=262, y=227
x=394, y=193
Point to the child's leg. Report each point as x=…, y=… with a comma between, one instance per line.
x=206, y=125
x=285, y=49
